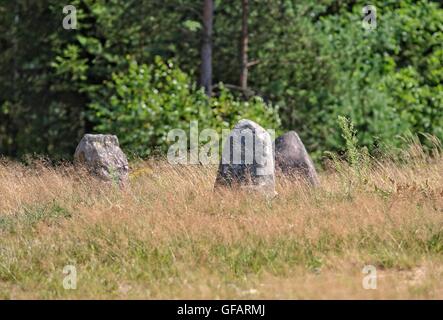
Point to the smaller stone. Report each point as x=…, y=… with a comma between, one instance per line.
x=101, y=155
x=292, y=160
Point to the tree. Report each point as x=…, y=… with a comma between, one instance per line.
x=244, y=46
x=206, y=50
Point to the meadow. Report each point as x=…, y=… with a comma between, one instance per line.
x=169, y=235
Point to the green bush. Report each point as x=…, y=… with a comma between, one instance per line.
x=142, y=104
x=319, y=63
x=311, y=58
x=387, y=81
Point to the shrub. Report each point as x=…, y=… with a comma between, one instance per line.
x=144, y=103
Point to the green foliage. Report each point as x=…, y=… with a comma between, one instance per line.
x=311, y=58
x=383, y=79
x=349, y=134
x=357, y=157
x=142, y=104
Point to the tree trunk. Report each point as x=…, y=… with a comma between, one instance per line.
x=206, y=50
x=244, y=47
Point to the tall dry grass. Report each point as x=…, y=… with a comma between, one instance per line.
x=168, y=235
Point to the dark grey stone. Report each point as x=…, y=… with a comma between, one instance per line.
x=247, y=159
x=101, y=155
x=292, y=160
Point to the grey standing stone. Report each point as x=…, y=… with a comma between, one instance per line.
x=247, y=159
x=292, y=160
x=101, y=155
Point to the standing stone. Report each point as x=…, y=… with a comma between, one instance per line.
x=102, y=157
x=292, y=159
x=247, y=159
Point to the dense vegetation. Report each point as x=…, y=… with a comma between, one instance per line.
x=131, y=68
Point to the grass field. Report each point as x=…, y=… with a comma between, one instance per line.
x=168, y=235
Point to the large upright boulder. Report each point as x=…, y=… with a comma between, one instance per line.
x=101, y=155
x=292, y=159
x=247, y=159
